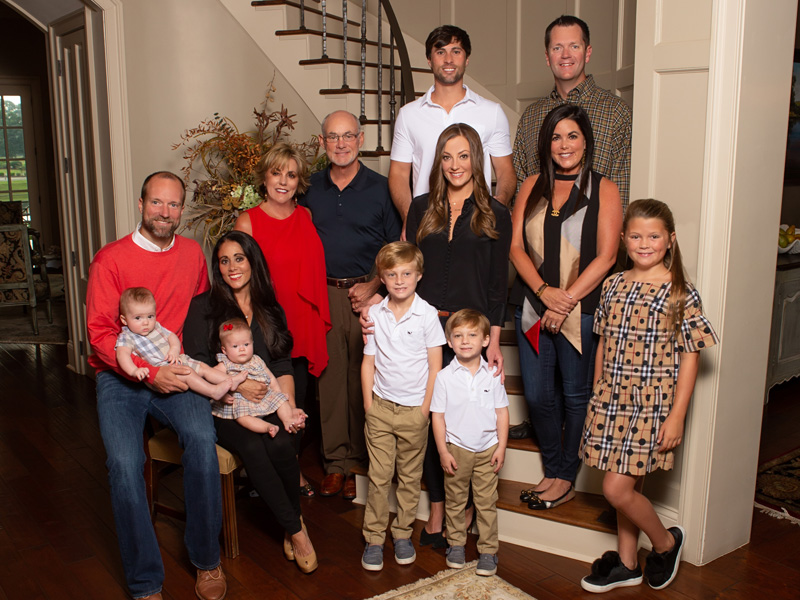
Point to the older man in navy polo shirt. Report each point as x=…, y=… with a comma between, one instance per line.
x=354, y=216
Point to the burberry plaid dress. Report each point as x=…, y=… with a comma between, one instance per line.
x=640, y=370
x=256, y=369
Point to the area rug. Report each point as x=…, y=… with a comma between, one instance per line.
x=778, y=487
x=457, y=584
x=16, y=327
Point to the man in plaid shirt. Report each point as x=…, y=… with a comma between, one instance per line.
x=567, y=50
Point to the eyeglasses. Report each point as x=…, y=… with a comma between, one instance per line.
x=335, y=137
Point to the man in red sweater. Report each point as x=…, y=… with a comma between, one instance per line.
x=174, y=269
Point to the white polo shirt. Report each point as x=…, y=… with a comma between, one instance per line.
x=401, y=350
x=419, y=124
x=468, y=403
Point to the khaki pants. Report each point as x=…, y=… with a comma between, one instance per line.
x=341, y=404
x=396, y=435
x=478, y=468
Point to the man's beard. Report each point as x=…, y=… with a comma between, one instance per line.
x=149, y=225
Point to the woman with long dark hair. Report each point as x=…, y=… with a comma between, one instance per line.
x=567, y=224
x=464, y=235
x=241, y=287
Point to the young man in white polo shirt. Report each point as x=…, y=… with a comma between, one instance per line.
x=399, y=368
x=448, y=101
x=470, y=425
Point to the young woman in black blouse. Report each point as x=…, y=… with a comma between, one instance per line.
x=241, y=287
x=465, y=236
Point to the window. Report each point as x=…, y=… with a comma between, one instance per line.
x=13, y=165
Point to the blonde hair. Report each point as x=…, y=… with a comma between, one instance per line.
x=278, y=157
x=435, y=219
x=467, y=317
x=655, y=209
x=135, y=295
x=231, y=326
x=399, y=253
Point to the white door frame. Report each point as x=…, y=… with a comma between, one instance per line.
x=112, y=209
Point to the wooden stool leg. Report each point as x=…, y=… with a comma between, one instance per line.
x=230, y=532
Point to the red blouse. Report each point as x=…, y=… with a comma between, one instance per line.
x=296, y=263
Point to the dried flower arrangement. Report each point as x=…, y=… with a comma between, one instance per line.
x=229, y=158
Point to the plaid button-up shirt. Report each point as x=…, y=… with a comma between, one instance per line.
x=611, y=124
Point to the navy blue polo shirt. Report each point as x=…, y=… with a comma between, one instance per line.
x=353, y=223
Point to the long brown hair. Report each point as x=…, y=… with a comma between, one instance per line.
x=545, y=184
x=655, y=209
x=435, y=219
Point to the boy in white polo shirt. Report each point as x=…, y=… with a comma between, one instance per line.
x=400, y=363
x=470, y=424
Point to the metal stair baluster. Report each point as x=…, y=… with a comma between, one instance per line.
x=324, y=30
x=363, y=116
x=379, y=147
x=344, y=45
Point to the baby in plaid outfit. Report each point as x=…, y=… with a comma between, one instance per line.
x=143, y=336
x=236, y=359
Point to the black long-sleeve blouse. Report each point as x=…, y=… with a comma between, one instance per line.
x=197, y=327
x=468, y=271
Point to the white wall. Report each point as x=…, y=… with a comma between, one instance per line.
x=508, y=40
x=186, y=60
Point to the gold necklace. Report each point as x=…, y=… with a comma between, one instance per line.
x=555, y=212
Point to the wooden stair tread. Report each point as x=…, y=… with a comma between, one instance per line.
x=526, y=445
x=339, y=61
x=308, y=9
x=514, y=385
x=333, y=36
x=590, y=511
x=508, y=337
x=354, y=90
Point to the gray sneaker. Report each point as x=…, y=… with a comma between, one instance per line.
x=372, y=560
x=456, y=557
x=404, y=553
x=487, y=565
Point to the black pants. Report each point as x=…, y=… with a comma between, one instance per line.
x=305, y=395
x=271, y=467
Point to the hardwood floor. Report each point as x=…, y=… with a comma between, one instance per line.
x=57, y=532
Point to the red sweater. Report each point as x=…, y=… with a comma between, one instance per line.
x=175, y=277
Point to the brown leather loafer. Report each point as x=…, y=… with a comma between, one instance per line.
x=349, y=490
x=156, y=596
x=332, y=484
x=211, y=585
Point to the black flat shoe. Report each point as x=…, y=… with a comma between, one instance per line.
x=436, y=540
x=537, y=503
x=527, y=495
x=522, y=431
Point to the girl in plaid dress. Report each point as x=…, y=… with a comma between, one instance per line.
x=652, y=328
x=236, y=343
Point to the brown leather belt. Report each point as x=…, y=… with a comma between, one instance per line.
x=344, y=284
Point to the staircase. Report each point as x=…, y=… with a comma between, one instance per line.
x=315, y=58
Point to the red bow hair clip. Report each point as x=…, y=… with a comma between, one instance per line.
x=227, y=327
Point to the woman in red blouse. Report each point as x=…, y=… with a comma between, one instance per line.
x=296, y=262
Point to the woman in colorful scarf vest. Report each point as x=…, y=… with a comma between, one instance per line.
x=566, y=231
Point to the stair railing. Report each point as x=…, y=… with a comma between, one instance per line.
x=397, y=50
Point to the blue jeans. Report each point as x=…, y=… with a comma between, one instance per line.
x=122, y=407
x=558, y=404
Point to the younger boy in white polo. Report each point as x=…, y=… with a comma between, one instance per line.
x=470, y=424
x=400, y=363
